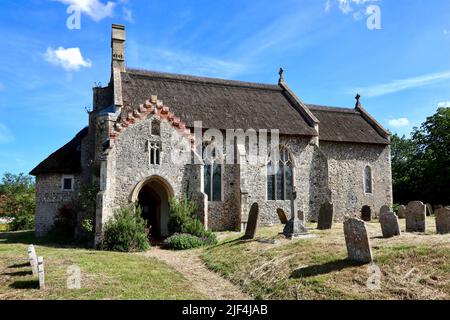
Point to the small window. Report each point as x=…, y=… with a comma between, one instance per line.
x=154, y=150
x=156, y=128
x=67, y=183
x=368, y=179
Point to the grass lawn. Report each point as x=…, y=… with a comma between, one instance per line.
x=413, y=266
x=104, y=275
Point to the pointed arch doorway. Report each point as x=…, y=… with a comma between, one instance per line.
x=152, y=195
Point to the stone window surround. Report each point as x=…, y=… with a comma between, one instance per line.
x=67, y=176
x=222, y=169
x=292, y=161
x=155, y=146
x=370, y=180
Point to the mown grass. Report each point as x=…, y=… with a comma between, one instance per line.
x=104, y=275
x=413, y=266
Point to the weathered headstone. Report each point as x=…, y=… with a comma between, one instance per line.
x=252, y=222
x=282, y=216
x=401, y=212
x=41, y=273
x=389, y=224
x=443, y=220
x=294, y=227
x=429, y=209
x=415, y=217
x=325, y=216
x=366, y=213
x=357, y=241
x=438, y=206
x=385, y=209
x=32, y=258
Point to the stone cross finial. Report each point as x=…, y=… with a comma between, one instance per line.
x=358, y=96
x=281, y=74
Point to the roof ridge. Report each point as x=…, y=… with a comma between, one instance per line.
x=201, y=79
x=316, y=107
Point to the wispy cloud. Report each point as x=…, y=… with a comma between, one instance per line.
x=69, y=59
x=444, y=104
x=356, y=7
x=128, y=15
x=95, y=9
x=187, y=62
x=401, y=85
x=398, y=123
x=5, y=134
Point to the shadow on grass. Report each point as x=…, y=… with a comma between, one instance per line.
x=19, y=265
x=25, y=284
x=18, y=273
x=28, y=237
x=324, y=268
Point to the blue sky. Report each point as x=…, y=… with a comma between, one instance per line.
x=47, y=70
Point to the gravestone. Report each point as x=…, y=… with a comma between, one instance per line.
x=401, y=212
x=41, y=273
x=357, y=241
x=32, y=258
x=415, y=217
x=385, y=209
x=294, y=227
x=443, y=220
x=389, y=224
x=252, y=222
x=366, y=213
x=325, y=216
x=438, y=206
x=282, y=216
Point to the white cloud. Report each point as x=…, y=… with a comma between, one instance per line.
x=5, y=134
x=348, y=6
x=95, y=9
x=328, y=6
x=398, y=123
x=404, y=84
x=70, y=59
x=444, y=104
x=128, y=15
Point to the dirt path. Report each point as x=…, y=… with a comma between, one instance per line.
x=209, y=283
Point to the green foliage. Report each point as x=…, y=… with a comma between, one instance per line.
x=126, y=231
x=421, y=164
x=183, y=220
x=86, y=207
x=17, y=194
x=184, y=241
x=180, y=213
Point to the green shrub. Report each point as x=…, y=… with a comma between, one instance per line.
x=23, y=221
x=183, y=241
x=4, y=227
x=183, y=220
x=126, y=231
x=180, y=213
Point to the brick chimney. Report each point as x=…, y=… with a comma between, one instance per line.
x=118, y=47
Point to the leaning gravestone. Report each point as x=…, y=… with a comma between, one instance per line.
x=389, y=224
x=41, y=273
x=401, y=212
x=357, y=241
x=325, y=216
x=443, y=220
x=385, y=209
x=252, y=222
x=32, y=258
x=415, y=217
x=429, y=209
x=366, y=213
x=282, y=216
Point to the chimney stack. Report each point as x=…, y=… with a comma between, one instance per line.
x=118, y=47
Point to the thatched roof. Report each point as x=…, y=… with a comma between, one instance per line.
x=64, y=160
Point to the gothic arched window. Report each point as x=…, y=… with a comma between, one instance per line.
x=368, y=179
x=280, y=177
x=213, y=177
x=153, y=149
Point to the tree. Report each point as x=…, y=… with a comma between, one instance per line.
x=421, y=164
x=18, y=199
